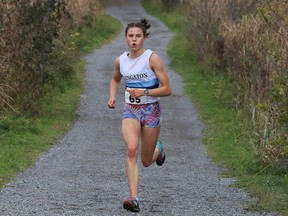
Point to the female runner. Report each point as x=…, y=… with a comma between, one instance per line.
x=145, y=81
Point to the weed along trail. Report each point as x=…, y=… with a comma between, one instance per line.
x=84, y=173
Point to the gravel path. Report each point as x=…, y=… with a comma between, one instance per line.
x=84, y=173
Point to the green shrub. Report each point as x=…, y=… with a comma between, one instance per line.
x=247, y=40
x=28, y=32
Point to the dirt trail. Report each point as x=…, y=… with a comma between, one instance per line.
x=84, y=173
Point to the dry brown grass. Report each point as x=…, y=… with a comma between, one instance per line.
x=256, y=50
x=249, y=41
x=83, y=8
x=33, y=33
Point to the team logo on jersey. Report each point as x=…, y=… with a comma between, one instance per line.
x=136, y=76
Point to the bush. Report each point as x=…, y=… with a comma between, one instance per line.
x=248, y=40
x=35, y=48
x=28, y=30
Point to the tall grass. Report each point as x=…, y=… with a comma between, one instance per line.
x=83, y=8
x=248, y=41
x=23, y=136
x=251, y=46
x=229, y=132
x=35, y=48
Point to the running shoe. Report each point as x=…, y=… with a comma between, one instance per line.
x=131, y=204
x=161, y=158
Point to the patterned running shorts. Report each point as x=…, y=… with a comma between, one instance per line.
x=149, y=115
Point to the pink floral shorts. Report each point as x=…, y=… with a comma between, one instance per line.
x=149, y=115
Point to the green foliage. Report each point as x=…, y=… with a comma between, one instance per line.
x=173, y=19
x=224, y=133
x=169, y=5
x=228, y=136
x=38, y=42
x=92, y=35
x=165, y=6
x=271, y=126
x=23, y=136
x=28, y=32
x=246, y=42
x=279, y=98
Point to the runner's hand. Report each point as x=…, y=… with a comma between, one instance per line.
x=135, y=93
x=111, y=103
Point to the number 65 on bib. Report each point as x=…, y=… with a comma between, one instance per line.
x=139, y=100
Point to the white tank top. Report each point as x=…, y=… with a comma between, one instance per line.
x=138, y=74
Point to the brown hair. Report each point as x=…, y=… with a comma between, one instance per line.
x=143, y=25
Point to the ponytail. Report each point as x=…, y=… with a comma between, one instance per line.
x=143, y=24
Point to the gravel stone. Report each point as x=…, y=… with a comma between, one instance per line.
x=84, y=172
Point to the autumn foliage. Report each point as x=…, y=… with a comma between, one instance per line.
x=246, y=40
x=34, y=45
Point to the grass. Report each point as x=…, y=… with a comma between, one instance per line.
x=99, y=30
x=227, y=134
x=23, y=138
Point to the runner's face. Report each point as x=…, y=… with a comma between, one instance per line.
x=135, y=38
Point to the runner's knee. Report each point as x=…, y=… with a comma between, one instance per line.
x=132, y=151
x=146, y=162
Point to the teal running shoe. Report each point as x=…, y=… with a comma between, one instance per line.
x=161, y=158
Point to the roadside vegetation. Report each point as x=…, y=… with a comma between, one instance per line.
x=41, y=73
x=232, y=56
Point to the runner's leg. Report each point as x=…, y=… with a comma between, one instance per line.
x=131, y=131
x=149, y=137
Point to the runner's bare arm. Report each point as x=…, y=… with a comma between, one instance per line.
x=158, y=68
x=114, y=84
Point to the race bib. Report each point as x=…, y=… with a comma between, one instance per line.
x=138, y=100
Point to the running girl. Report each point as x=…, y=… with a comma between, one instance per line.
x=146, y=81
